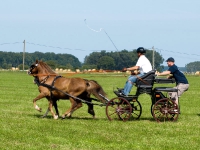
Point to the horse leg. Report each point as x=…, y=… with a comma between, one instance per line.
x=71, y=109
x=51, y=110
x=79, y=105
x=41, y=95
x=91, y=110
x=90, y=105
x=55, y=106
x=46, y=113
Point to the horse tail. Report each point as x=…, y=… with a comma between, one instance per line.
x=95, y=89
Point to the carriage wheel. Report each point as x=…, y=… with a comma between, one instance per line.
x=165, y=110
x=152, y=105
x=136, y=109
x=118, y=109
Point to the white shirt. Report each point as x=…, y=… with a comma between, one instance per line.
x=144, y=64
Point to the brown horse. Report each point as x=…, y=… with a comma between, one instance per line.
x=55, y=87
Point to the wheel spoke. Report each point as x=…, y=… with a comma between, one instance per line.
x=120, y=109
x=163, y=110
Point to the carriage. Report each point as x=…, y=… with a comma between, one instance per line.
x=163, y=108
x=78, y=91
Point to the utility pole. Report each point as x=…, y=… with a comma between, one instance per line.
x=153, y=57
x=24, y=54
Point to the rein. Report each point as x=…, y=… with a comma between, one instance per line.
x=142, y=80
x=38, y=75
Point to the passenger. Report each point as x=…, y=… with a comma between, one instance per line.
x=181, y=82
x=143, y=65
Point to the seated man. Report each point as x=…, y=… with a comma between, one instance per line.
x=181, y=82
x=143, y=65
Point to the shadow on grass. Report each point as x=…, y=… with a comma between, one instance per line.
x=198, y=115
x=71, y=118
x=140, y=119
x=151, y=119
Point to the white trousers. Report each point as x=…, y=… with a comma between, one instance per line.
x=181, y=89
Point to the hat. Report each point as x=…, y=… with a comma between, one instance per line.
x=170, y=59
x=141, y=50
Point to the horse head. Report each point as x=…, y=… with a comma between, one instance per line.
x=33, y=69
x=39, y=67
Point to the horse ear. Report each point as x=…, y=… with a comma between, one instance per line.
x=36, y=61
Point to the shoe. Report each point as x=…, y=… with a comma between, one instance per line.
x=119, y=93
x=120, y=89
x=174, y=111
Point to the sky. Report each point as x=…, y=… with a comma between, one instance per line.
x=80, y=27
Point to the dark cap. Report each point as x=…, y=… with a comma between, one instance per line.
x=170, y=59
x=141, y=50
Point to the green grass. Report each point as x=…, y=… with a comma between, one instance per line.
x=22, y=128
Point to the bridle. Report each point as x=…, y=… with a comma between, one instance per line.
x=31, y=69
x=37, y=75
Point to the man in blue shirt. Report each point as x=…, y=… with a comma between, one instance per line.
x=181, y=82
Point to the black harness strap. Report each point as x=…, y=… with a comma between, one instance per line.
x=51, y=87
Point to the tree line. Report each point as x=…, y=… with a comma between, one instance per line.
x=95, y=60
x=119, y=60
x=12, y=59
x=193, y=66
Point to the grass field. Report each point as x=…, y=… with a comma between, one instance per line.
x=22, y=128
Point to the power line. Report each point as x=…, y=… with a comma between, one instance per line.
x=10, y=43
x=175, y=52
x=56, y=47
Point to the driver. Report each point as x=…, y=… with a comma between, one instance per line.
x=143, y=65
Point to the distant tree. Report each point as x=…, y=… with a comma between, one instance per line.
x=15, y=59
x=69, y=66
x=193, y=66
x=26, y=67
x=86, y=66
x=52, y=64
x=106, y=62
x=123, y=59
x=92, y=58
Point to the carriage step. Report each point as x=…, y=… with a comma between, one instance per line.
x=165, y=89
x=128, y=98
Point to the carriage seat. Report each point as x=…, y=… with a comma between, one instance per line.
x=146, y=80
x=145, y=83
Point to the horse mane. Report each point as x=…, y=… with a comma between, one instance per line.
x=46, y=67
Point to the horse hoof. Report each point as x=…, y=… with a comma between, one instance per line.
x=69, y=115
x=38, y=108
x=63, y=117
x=55, y=117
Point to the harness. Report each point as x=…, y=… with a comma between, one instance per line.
x=50, y=87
